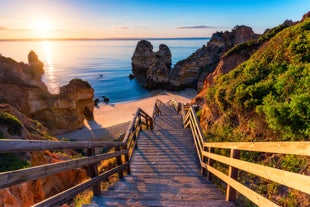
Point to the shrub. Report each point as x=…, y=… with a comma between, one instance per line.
x=13, y=124
x=11, y=161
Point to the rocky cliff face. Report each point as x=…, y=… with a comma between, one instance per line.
x=192, y=71
x=16, y=125
x=22, y=87
x=235, y=56
x=151, y=68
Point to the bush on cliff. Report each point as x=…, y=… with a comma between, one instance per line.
x=13, y=125
x=266, y=98
x=274, y=85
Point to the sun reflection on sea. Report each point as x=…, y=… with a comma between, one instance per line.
x=51, y=81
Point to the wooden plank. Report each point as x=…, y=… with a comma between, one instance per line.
x=232, y=173
x=289, y=179
x=250, y=194
x=13, y=145
x=66, y=195
x=8, y=179
x=92, y=171
x=197, y=126
x=296, y=148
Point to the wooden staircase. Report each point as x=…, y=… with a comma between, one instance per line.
x=165, y=170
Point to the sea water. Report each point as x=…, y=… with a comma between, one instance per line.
x=105, y=64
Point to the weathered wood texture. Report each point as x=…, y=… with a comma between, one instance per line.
x=123, y=149
x=165, y=170
x=207, y=157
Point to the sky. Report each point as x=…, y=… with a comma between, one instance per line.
x=31, y=19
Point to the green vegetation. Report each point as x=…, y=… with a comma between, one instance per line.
x=271, y=33
x=11, y=161
x=267, y=98
x=240, y=47
x=274, y=84
x=13, y=124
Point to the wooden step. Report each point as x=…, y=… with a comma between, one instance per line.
x=165, y=170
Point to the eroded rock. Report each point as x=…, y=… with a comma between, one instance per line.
x=152, y=69
x=192, y=71
x=22, y=87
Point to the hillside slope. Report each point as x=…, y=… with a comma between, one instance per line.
x=266, y=97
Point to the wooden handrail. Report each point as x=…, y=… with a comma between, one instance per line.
x=14, y=145
x=124, y=148
x=11, y=178
x=71, y=192
x=156, y=109
x=207, y=157
x=174, y=103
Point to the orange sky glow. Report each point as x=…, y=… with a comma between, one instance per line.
x=45, y=19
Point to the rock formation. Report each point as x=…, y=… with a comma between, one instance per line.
x=152, y=69
x=21, y=86
x=35, y=64
x=192, y=71
x=27, y=194
x=235, y=56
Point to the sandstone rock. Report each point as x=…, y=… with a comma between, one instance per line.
x=27, y=194
x=66, y=111
x=227, y=63
x=22, y=87
x=142, y=59
x=20, y=74
x=307, y=15
x=35, y=64
x=152, y=69
x=192, y=71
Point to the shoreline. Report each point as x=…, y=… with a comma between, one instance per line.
x=112, y=120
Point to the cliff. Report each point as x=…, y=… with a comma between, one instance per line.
x=251, y=92
x=192, y=71
x=266, y=97
x=16, y=125
x=153, y=68
x=22, y=87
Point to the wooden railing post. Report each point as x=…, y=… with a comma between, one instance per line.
x=127, y=160
x=210, y=163
x=93, y=172
x=203, y=170
x=119, y=162
x=233, y=173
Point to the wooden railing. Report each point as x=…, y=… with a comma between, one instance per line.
x=156, y=109
x=175, y=104
x=123, y=151
x=207, y=157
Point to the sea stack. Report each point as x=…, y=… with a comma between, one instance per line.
x=152, y=69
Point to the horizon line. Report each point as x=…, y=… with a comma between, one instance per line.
x=98, y=39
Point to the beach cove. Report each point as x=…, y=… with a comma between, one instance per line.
x=112, y=120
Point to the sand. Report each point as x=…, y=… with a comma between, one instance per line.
x=112, y=120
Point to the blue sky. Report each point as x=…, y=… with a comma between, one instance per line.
x=141, y=18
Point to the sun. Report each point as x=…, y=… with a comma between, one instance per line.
x=42, y=27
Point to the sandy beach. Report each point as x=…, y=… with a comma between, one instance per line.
x=112, y=120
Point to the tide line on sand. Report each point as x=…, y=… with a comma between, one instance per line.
x=112, y=120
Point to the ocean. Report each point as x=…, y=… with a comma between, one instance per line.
x=105, y=64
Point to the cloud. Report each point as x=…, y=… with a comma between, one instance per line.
x=13, y=29
x=25, y=29
x=196, y=27
x=121, y=27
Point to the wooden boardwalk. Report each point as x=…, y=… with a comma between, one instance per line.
x=164, y=170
